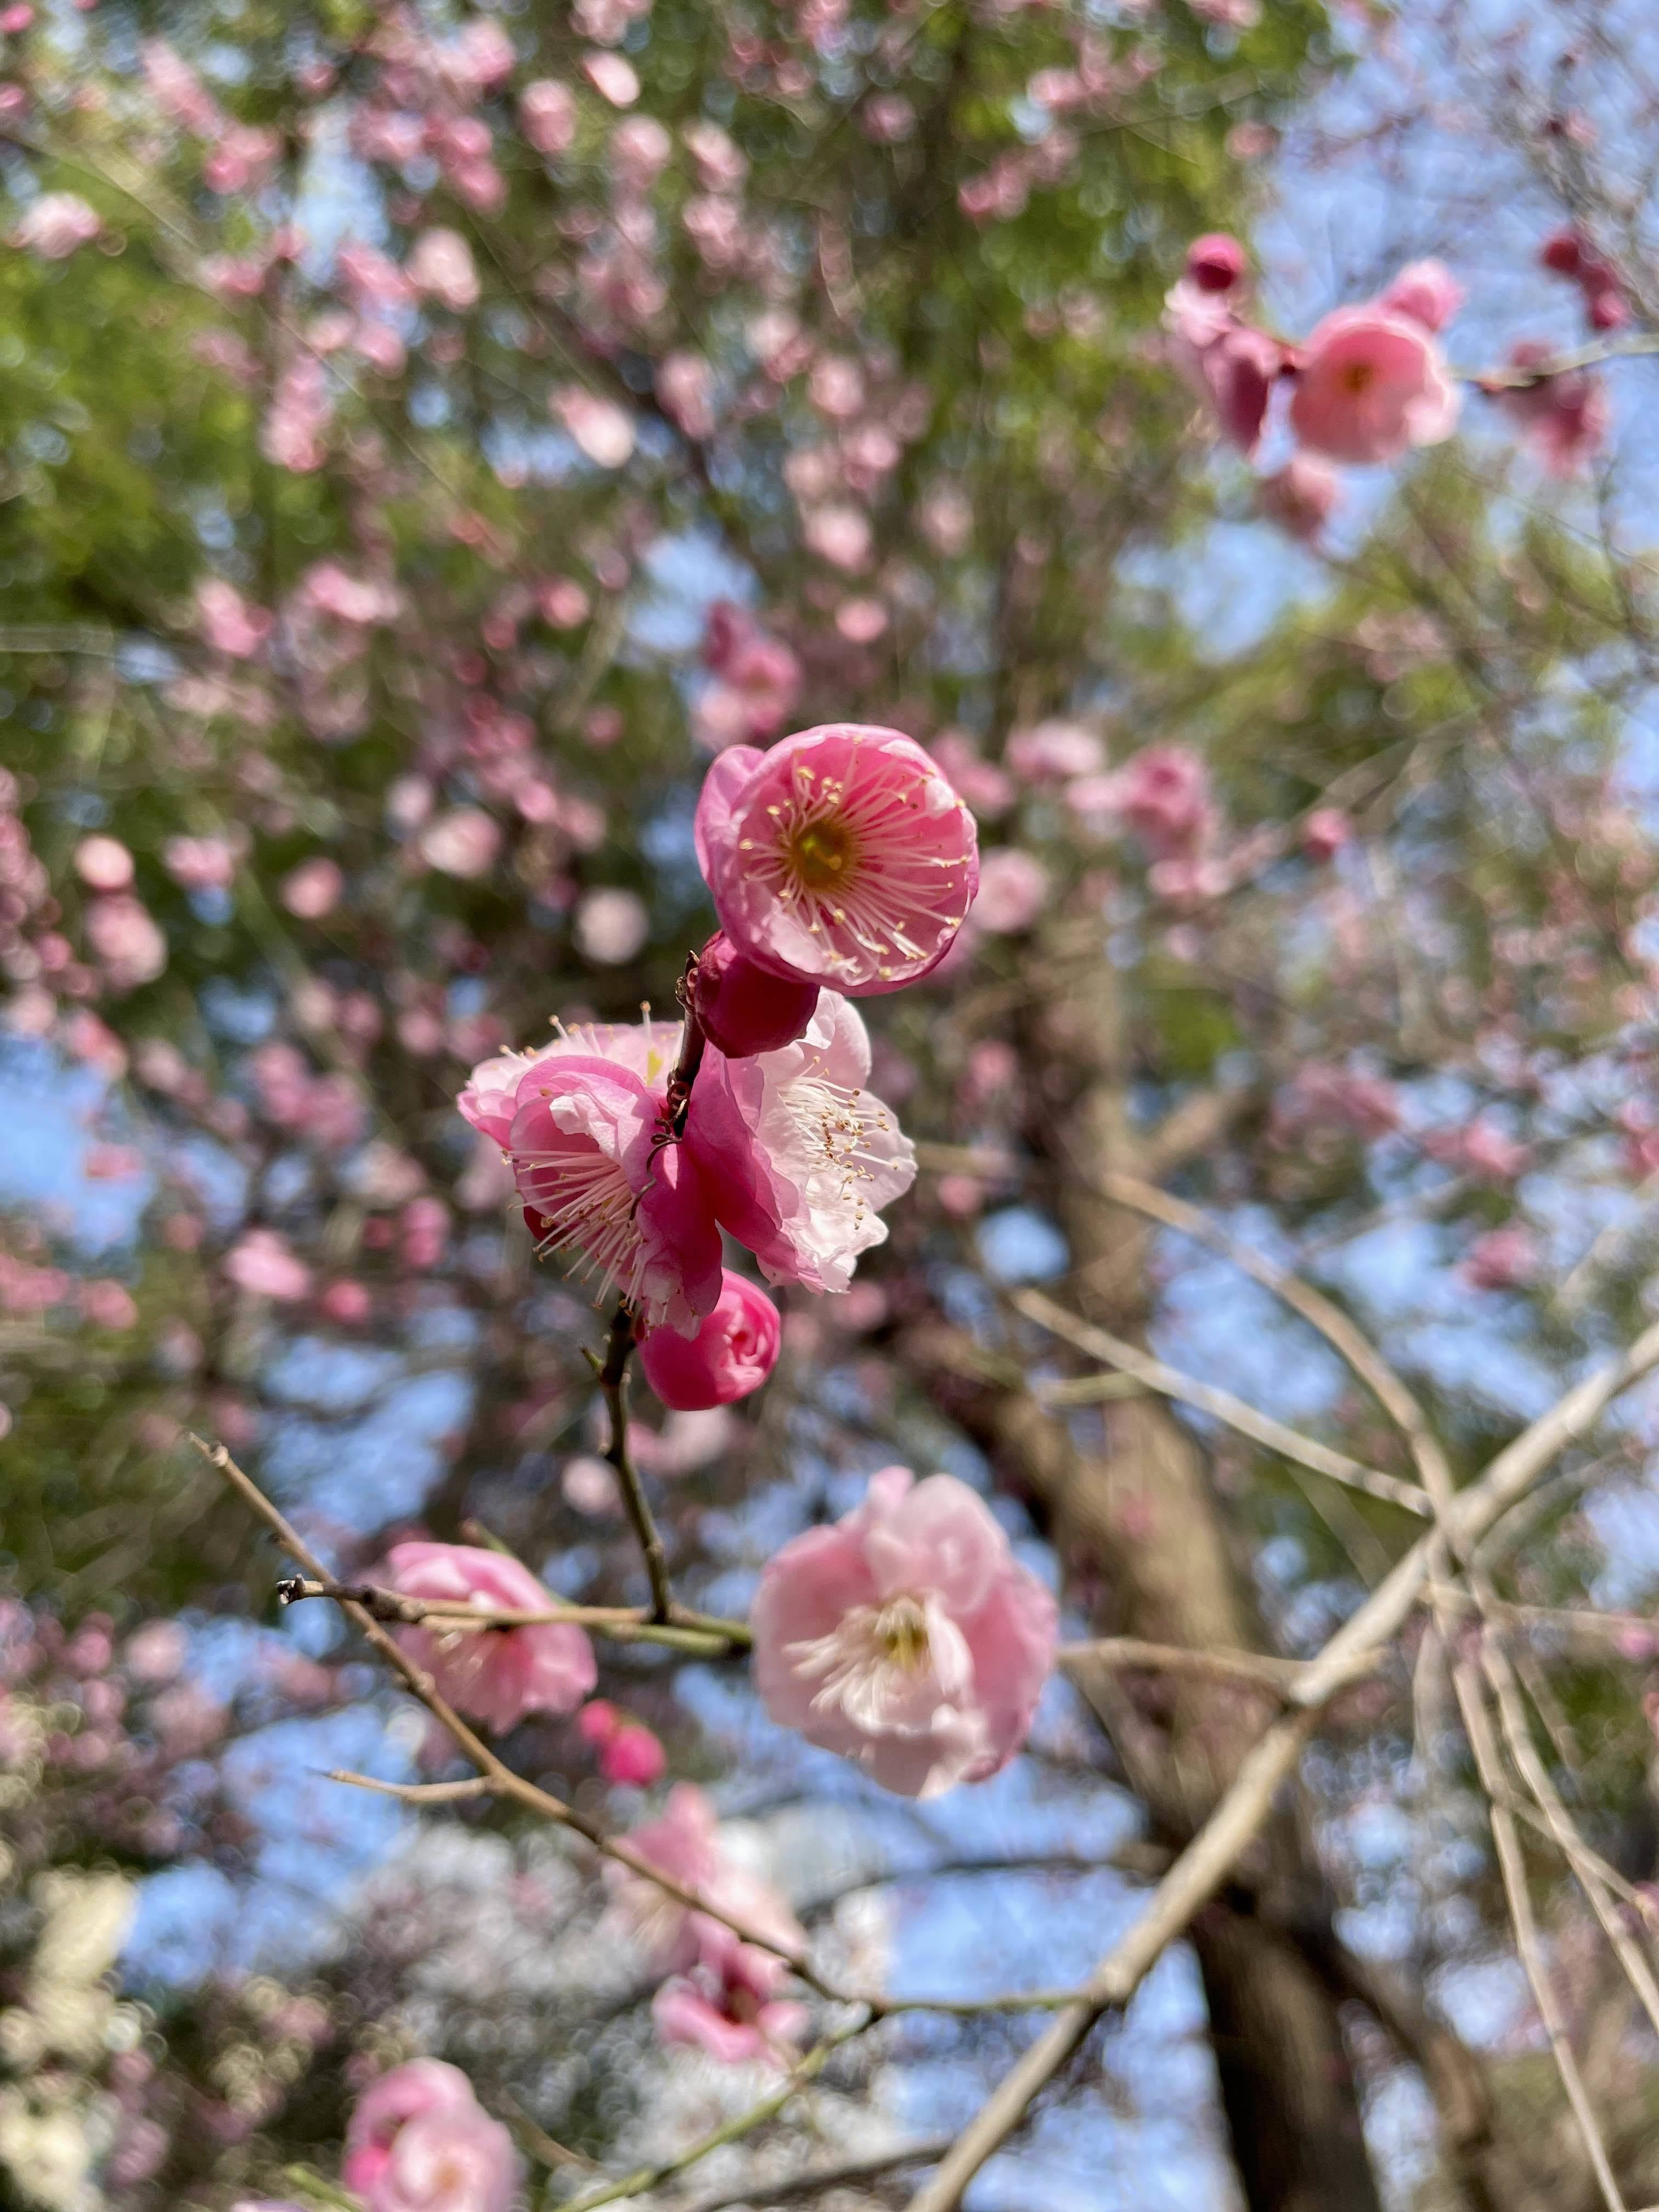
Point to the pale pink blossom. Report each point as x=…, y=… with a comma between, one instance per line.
x=600, y=429
x=547, y=115
x=312, y=889
x=1163, y=794
x=479, y=58
x=1013, y=888
x=610, y=927
x=1426, y=291
x=685, y=1442
x=362, y=602
x=590, y=1486
x=721, y=165
x=463, y=842
x=583, y=1124
x=126, y=940
x=759, y=680
x=685, y=389
x=1231, y=365
x=562, y=604
x=1300, y=496
x=723, y=1995
x=1050, y=751
x=862, y=621
x=733, y=1351
x=372, y=278
x=984, y=787
x=291, y=434
x=241, y=159
x=742, y=1008
x=842, y=856
x=56, y=224
x=612, y=78
x=496, y=1675
x=797, y=1157
x=267, y=1265
x=1325, y=832
x=887, y=117
x=179, y=92
x=1563, y=419
x=840, y=534
x=104, y=864
x=419, y=2141
x=1501, y=1259
x=440, y=267
x=1372, y=383
x=641, y=149
x=1365, y=1105
x=106, y=1304
x=229, y=624
x=906, y=1636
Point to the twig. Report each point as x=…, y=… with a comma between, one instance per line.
x=613, y=1386
x=704, y=1634
x=414, y=1793
x=1210, y=1858
x=1220, y=1405
x=1129, y=1653
x=797, y=2186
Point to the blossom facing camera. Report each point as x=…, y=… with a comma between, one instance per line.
x=732, y=1354
x=1372, y=384
x=419, y=2141
x=743, y=1008
x=496, y=1675
x=907, y=1637
x=842, y=856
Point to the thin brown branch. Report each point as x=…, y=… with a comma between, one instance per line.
x=613, y=1387
x=1129, y=1654
x=798, y=2185
x=415, y=1793
x=706, y=1635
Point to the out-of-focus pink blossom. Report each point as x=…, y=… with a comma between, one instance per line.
x=907, y=1636
x=1425, y=291
x=104, y=864
x=56, y=224
x=363, y=602
x=346, y=1303
x=742, y=1008
x=640, y=150
x=419, y=2141
x=241, y=159
x=154, y=1653
x=312, y=889
x=888, y=118
x=984, y=787
x=562, y=604
x=440, y=267
x=125, y=938
x=591, y=1486
x=1345, y=1098
x=1325, y=832
x=840, y=534
x=1230, y=364
x=842, y=856
x=106, y=1304
x=463, y=842
x=547, y=115
x=1050, y=751
x=1501, y=1259
x=721, y=166
x=1563, y=419
x=634, y=1754
x=1481, y=1149
x=684, y=1443
x=581, y=1123
x=265, y=1265
x=496, y=1675
x=797, y=1156
x=733, y=1351
x=862, y=621
x=1372, y=383
x=1013, y=887
x=598, y=427
x=718, y=2011
x=610, y=927
x=229, y=624
x=685, y=388
x=291, y=435
x=1163, y=794
x=179, y=92
x=612, y=78
x=1301, y=496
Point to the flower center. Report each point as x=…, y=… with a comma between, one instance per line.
x=1357, y=377
x=866, y=1665
x=822, y=853
x=901, y=1631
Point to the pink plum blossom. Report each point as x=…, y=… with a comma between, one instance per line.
x=125, y=937
x=463, y=842
x=1301, y=496
x=104, y=864
x=1563, y=419
x=1426, y=292
x=633, y=1755
x=441, y=267
x=742, y=1008
x=56, y=224
x=600, y=429
x=907, y=1636
x=842, y=856
x=291, y=434
x=1215, y=262
x=640, y=150
x=732, y=1354
x=797, y=1156
x=612, y=78
x=685, y=389
x=547, y=115
x=1231, y=365
x=312, y=889
x=229, y=624
x=496, y=1675
x=839, y=533
x=1163, y=794
x=265, y=1265
x=611, y=926
x=419, y=2141
x=1050, y=751
x=1013, y=887
x=1325, y=832
x=1372, y=383
x=582, y=1123
x=1501, y=1259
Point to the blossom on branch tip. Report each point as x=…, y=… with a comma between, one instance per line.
x=842, y=856
x=1563, y=419
x=419, y=2141
x=797, y=1157
x=1371, y=384
x=496, y=1675
x=732, y=1354
x=907, y=1636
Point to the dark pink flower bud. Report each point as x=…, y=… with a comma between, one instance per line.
x=742, y=1009
x=633, y=1755
x=732, y=1352
x=1215, y=262
x=598, y=1720
x=1606, y=309
x=1562, y=252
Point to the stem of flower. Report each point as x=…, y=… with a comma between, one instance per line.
x=613, y=1385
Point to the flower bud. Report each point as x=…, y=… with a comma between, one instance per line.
x=732, y=1352
x=742, y=1009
